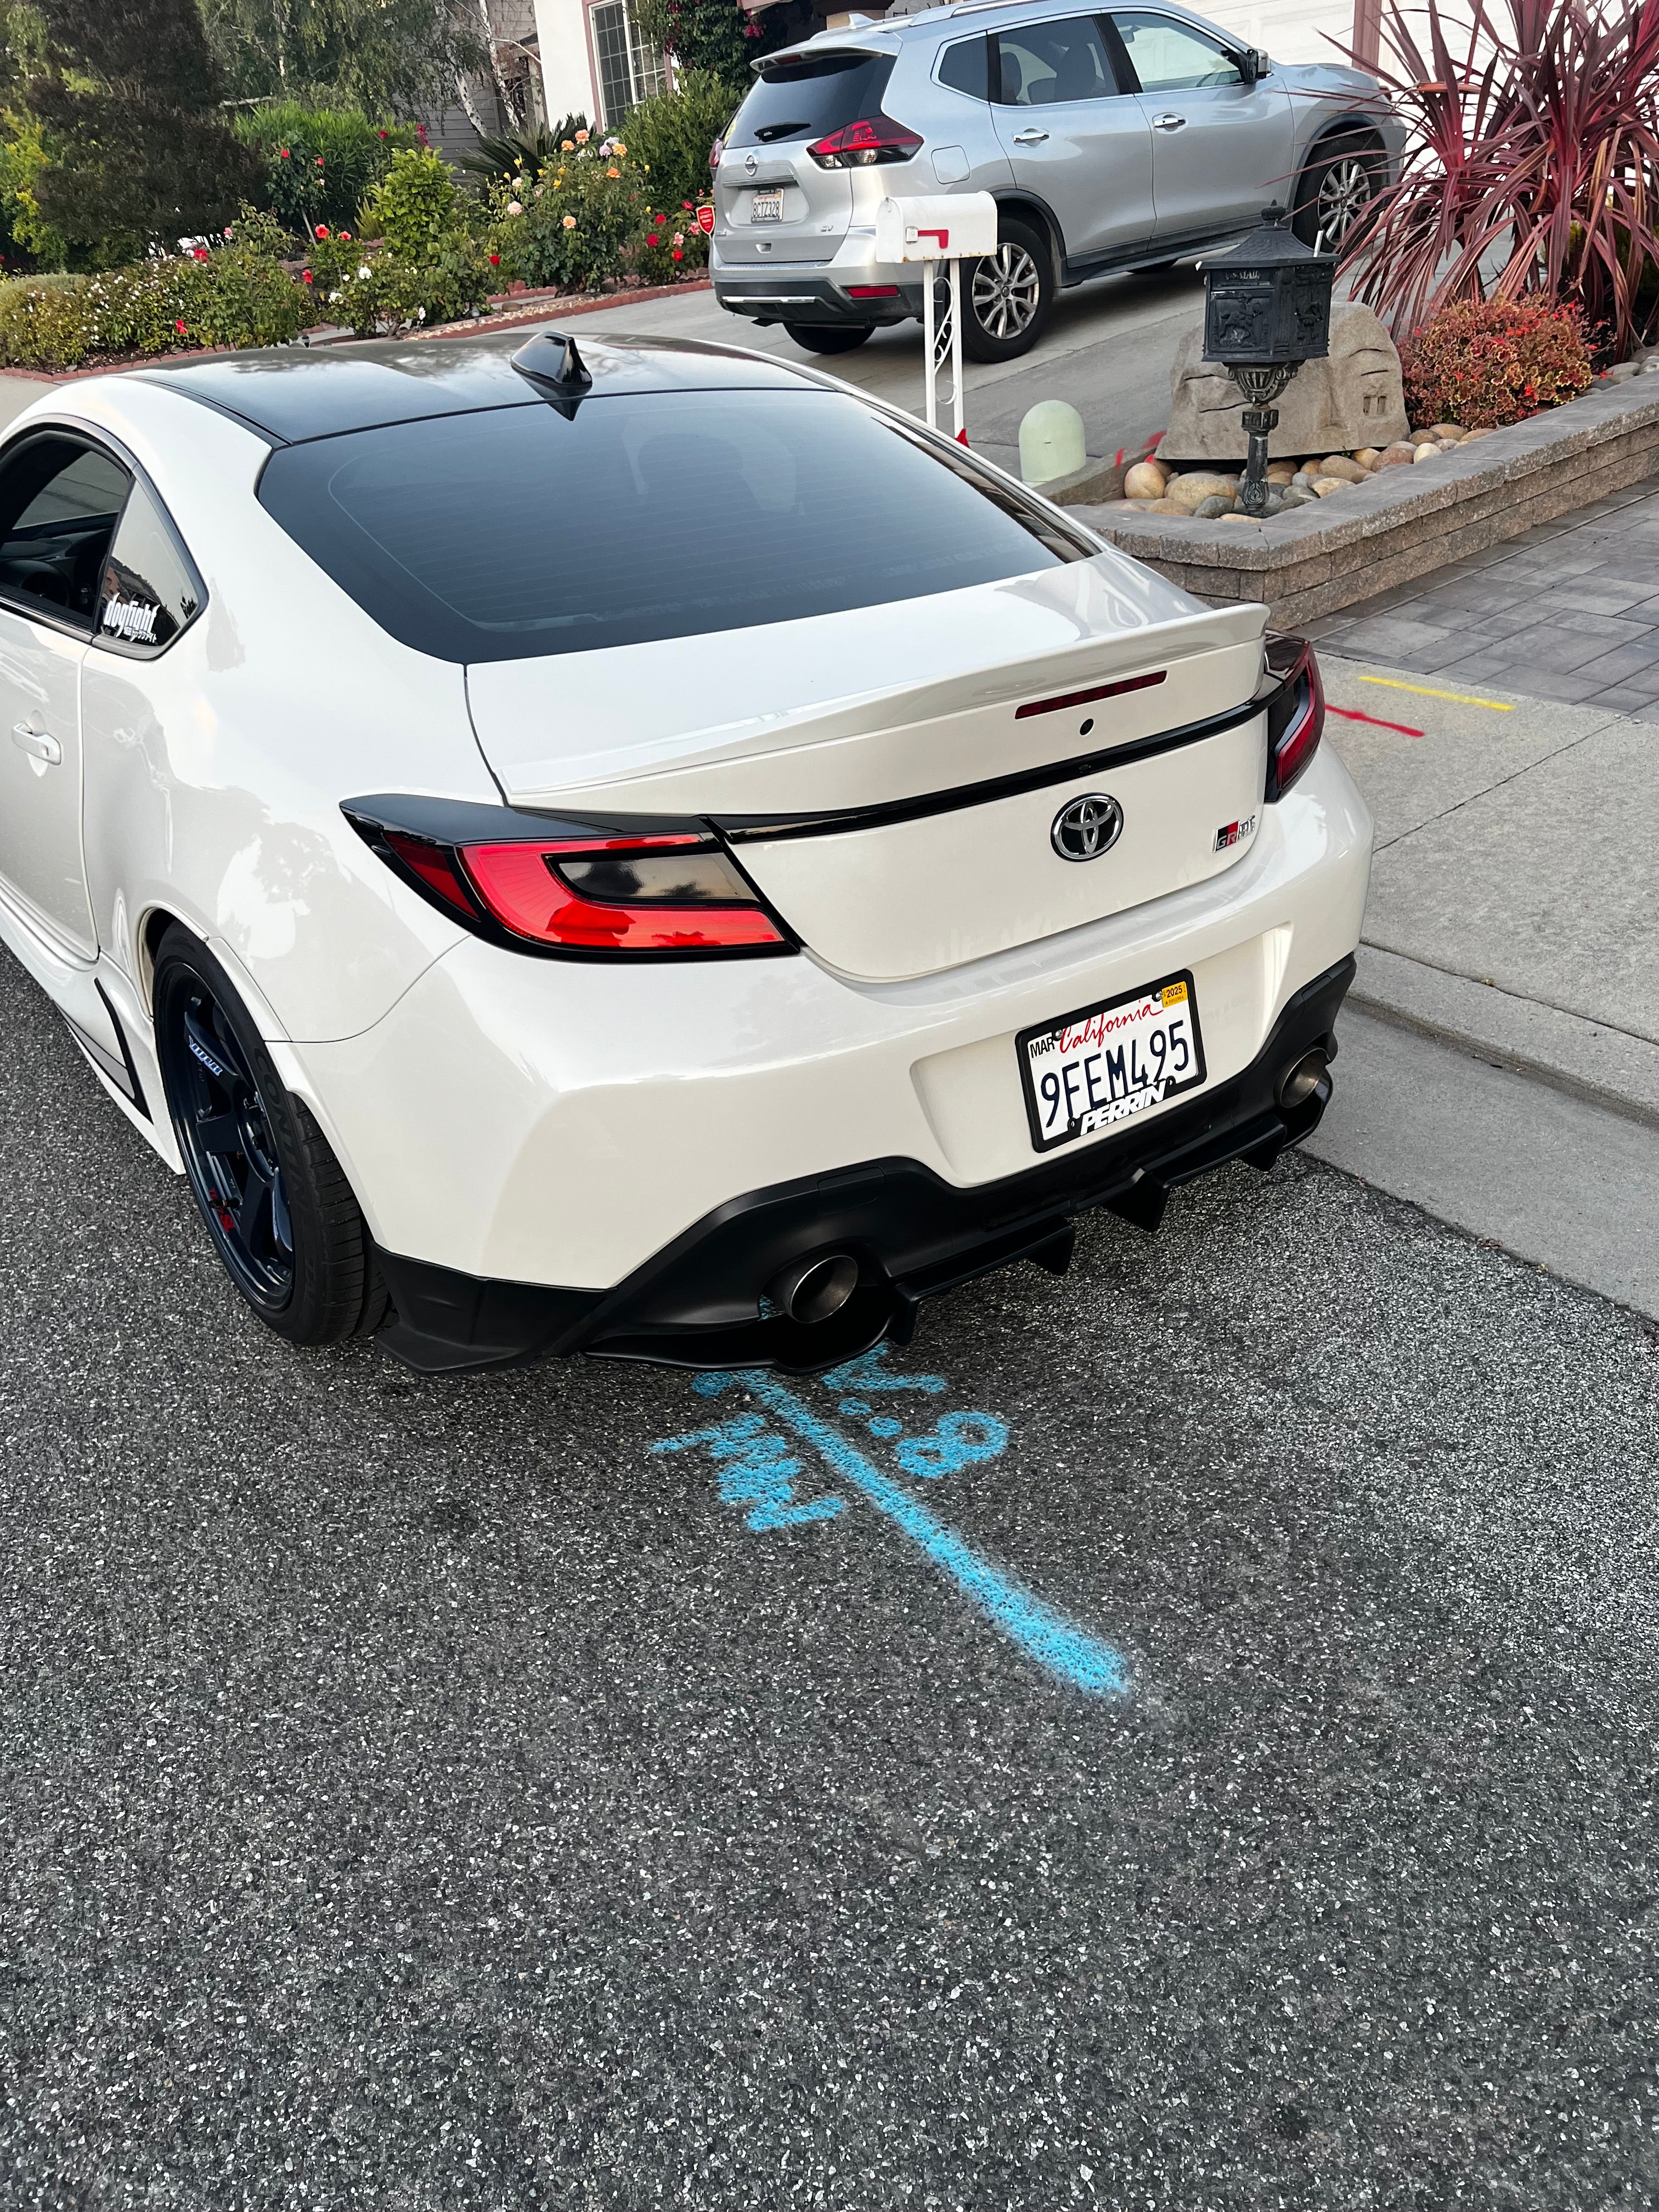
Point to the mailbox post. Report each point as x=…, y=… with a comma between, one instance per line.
x=1266, y=310
x=951, y=227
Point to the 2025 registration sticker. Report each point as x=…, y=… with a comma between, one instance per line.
x=1109, y=1062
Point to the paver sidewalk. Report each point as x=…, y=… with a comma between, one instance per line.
x=1570, y=611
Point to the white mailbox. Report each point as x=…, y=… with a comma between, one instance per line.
x=951, y=228
x=943, y=227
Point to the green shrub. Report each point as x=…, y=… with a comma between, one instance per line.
x=1488, y=362
x=375, y=290
x=671, y=135
x=415, y=206
x=320, y=164
x=236, y=294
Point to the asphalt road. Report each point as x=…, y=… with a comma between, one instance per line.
x=1191, y=1743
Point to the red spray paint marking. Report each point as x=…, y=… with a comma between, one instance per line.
x=1353, y=714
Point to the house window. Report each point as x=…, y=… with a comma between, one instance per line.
x=630, y=71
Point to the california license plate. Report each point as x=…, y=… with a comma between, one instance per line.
x=766, y=207
x=1109, y=1062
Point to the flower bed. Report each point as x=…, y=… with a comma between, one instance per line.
x=420, y=255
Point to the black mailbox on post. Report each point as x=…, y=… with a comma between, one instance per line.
x=1266, y=310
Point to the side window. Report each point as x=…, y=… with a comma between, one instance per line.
x=1171, y=57
x=60, y=503
x=151, y=589
x=965, y=68
x=1043, y=64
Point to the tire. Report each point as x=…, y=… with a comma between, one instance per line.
x=277, y=1207
x=829, y=338
x=1344, y=176
x=1008, y=297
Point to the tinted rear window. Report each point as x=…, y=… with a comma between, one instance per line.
x=808, y=100
x=516, y=533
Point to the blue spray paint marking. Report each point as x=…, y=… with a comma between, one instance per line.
x=758, y=1472
x=1042, y=1632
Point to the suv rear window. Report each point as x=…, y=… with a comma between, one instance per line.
x=809, y=99
x=516, y=533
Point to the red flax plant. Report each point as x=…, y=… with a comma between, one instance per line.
x=1532, y=169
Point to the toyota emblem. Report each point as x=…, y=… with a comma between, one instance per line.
x=1087, y=828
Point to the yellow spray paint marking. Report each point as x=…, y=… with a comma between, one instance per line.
x=1458, y=698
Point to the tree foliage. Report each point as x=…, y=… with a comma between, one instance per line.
x=383, y=57
x=720, y=37
x=135, y=145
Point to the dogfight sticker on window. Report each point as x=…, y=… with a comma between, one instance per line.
x=131, y=620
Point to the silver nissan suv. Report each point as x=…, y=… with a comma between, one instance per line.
x=1128, y=139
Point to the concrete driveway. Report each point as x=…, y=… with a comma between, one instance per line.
x=1109, y=351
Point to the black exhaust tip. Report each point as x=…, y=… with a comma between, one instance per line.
x=1306, y=1078
x=815, y=1290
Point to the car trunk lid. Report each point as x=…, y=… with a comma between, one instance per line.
x=890, y=776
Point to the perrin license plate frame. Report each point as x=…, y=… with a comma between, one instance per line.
x=1137, y=1097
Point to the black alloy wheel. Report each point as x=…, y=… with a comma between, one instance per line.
x=829, y=338
x=277, y=1204
x=1008, y=296
x=1336, y=188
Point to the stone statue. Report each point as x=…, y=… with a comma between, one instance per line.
x=1352, y=400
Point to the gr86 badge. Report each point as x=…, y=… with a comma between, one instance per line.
x=1110, y=1062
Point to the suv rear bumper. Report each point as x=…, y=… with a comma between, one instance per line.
x=912, y=1234
x=779, y=298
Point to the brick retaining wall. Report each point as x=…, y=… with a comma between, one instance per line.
x=1405, y=521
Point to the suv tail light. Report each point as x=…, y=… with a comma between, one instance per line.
x=1296, y=712
x=574, y=889
x=873, y=138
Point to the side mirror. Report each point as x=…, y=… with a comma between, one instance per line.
x=1252, y=65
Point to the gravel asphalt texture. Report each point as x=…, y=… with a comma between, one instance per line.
x=423, y=1795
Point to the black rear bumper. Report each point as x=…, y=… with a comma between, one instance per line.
x=781, y=296
x=699, y=1302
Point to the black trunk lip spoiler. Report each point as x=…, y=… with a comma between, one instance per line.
x=750, y=829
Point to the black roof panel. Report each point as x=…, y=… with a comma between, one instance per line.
x=290, y=393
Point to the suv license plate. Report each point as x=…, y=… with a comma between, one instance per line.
x=766, y=207
x=1110, y=1061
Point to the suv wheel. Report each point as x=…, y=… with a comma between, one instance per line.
x=829, y=338
x=1008, y=297
x=1336, y=188
x=276, y=1202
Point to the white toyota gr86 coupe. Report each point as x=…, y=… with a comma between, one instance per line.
x=643, y=850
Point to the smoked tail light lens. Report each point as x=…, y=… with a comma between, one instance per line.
x=872, y=139
x=675, y=891
x=1295, y=711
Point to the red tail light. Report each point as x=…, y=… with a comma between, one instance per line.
x=1296, y=712
x=873, y=138
x=605, y=898
x=671, y=891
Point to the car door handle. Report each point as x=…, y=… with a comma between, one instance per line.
x=1168, y=123
x=37, y=742
x=1029, y=137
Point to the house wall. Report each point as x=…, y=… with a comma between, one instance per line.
x=569, y=82
x=1289, y=30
